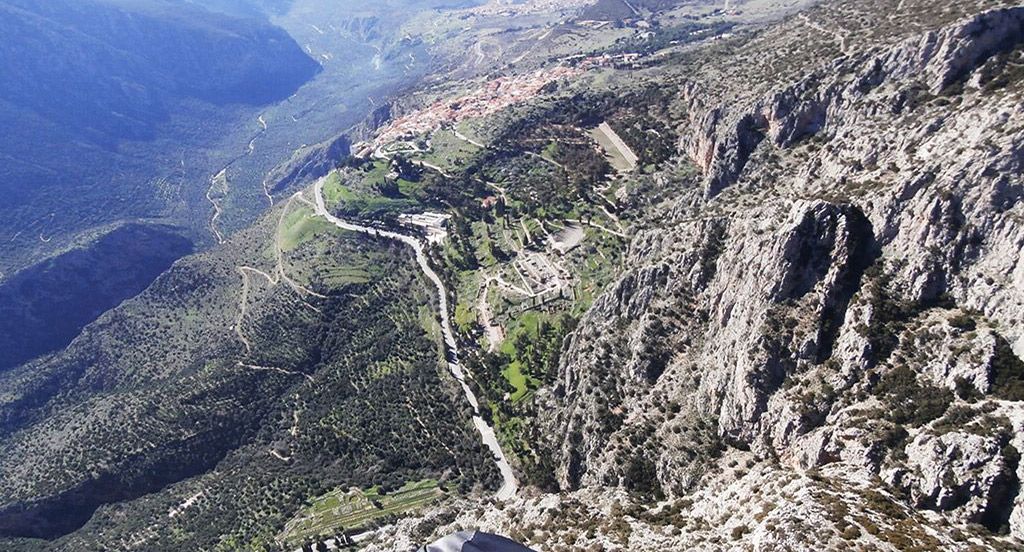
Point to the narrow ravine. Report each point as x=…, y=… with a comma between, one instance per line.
x=509, y=485
x=217, y=209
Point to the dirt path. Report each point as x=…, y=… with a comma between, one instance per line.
x=279, y=275
x=243, y=305
x=499, y=189
x=426, y=428
x=529, y=237
x=217, y=210
x=550, y=161
x=266, y=192
x=600, y=227
x=274, y=369
x=467, y=139
x=839, y=37
x=433, y=167
x=478, y=50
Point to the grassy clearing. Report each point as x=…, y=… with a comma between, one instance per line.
x=428, y=320
x=484, y=244
x=448, y=151
x=469, y=128
x=465, y=317
x=468, y=292
x=334, y=190
x=526, y=326
x=337, y=276
x=357, y=193
x=515, y=376
x=343, y=510
x=408, y=188
x=301, y=225
x=510, y=431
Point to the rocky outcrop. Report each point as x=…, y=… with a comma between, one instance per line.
x=723, y=137
x=309, y=163
x=957, y=471
x=844, y=290
x=951, y=54
x=787, y=511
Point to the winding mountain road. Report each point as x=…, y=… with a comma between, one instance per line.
x=509, y=485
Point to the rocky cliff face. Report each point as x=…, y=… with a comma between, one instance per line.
x=815, y=341
x=840, y=287
x=308, y=163
x=311, y=162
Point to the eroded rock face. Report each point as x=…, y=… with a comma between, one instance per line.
x=844, y=288
x=788, y=511
x=817, y=345
x=724, y=136
x=955, y=471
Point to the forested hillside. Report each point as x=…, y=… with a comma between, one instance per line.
x=294, y=360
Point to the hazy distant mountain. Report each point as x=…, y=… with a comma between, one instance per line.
x=107, y=70
x=92, y=94
x=245, y=7
x=85, y=85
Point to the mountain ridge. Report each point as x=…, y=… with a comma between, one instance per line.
x=719, y=279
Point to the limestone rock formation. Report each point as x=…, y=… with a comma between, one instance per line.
x=844, y=289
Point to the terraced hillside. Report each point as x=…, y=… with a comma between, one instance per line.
x=807, y=334
x=719, y=277
x=293, y=360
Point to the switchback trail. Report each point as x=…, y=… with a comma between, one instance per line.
x=509, y=485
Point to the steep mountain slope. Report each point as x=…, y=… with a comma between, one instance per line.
x=816, y=337
x=98, y=96
x=720, y=279
x=47, y=305
x=850, y=251
x=296, y=359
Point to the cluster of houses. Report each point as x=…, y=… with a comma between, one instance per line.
x=490, y=97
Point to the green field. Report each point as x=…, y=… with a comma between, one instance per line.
x=527, y=324
x=428, y=320
x=338, y=276
x=300, y=225
x=356, y=193
x=515, y=376
x=348, y=510
x=448, y=151
x=334, y=190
